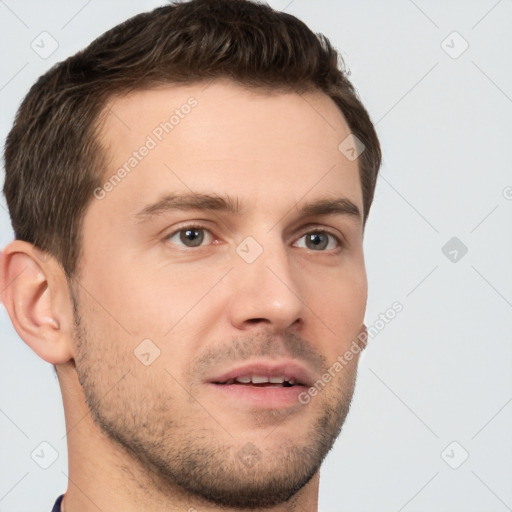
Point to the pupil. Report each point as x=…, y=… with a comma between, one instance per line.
x=192, y=237
x=317, y=241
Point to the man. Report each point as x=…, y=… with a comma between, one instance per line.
x=189, y=195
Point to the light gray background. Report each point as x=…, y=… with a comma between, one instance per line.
x=441, y=370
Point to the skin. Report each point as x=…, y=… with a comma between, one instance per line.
x=205, y=307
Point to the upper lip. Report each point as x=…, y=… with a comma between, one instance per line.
x=289, y=369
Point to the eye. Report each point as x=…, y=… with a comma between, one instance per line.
x=191, y=236
x=318, y=241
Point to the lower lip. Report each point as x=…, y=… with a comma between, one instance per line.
x=264, y=397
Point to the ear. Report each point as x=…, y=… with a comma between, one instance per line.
x=34, y=291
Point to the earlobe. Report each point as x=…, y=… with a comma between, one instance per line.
x=32, y=291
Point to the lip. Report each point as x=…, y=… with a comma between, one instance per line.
x=246, y=396
x=264, y=397
x=289, y=369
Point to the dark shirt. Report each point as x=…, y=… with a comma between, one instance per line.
x=56, y=507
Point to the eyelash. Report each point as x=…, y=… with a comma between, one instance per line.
x=311, y=229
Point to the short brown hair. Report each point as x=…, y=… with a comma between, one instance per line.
x=53, y=158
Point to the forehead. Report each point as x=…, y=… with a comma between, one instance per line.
x=221, y=137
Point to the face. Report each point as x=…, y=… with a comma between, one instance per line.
x=222, y=276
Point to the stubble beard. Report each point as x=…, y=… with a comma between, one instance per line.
x=186, y=456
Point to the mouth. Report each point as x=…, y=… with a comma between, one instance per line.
x=261, y=384
x=266, y=374
x=262, y=381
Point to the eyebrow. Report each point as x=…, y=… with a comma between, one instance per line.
x=190, y=201
x=228, y=204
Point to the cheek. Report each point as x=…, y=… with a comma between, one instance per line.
x=341, y=295
x=340, y=303
x=176, y=309
x=146, y=304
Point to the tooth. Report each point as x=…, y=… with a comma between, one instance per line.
x=245, y=379
x=292, y=382
x=230, y=381
x=276, y=380
x=259, y=379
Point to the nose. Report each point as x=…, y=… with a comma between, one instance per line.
x=267, y=294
